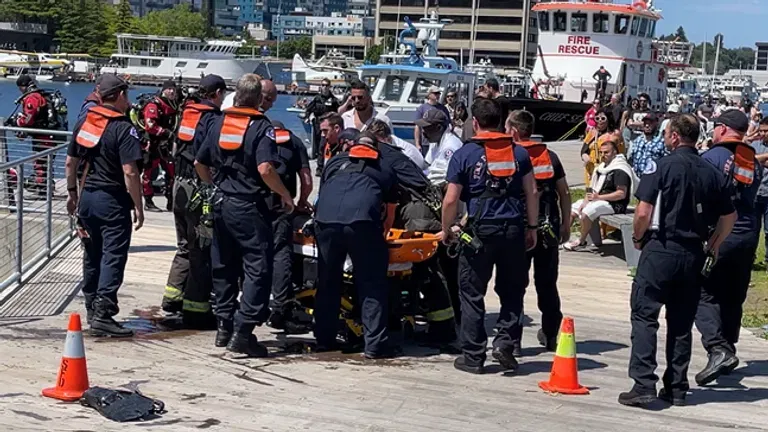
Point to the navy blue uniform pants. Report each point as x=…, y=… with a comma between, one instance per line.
x=546, y=264
x=365, y=244
x=282, y=288
x=720, y=308
x=668, y=274
x=107, y=219
x=504, y=248
x=242, y=245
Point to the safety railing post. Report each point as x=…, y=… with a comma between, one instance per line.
x=19, y=219
x=49, y=189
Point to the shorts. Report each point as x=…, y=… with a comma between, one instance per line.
x=593, y=209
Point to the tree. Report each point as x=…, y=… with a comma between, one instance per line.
x=83, y=27
x=301, y=46
x=680, y=34
x=179, y=21
x=125, y=21
x=374, y=53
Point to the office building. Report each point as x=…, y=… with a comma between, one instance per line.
x=503, y=31
x=304, y=23
x=761, y=56
x=143, y=7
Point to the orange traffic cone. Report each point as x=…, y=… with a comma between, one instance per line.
x=564, y=377
x=72, y=380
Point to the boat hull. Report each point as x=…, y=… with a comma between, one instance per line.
x=555, y=120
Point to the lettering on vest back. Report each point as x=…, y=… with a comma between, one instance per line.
x=95, y=124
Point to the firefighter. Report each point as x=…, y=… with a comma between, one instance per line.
x=159, y=117
x=241, y=148
x=102, y=200
x=93, y=99
x=495, y=178
x=34, y=115
x=188, y=289
x=554, y=227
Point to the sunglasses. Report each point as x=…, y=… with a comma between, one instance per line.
x=354, y=98
x=601, y=118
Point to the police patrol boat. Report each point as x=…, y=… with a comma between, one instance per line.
x=401, y=79
x=164, y=57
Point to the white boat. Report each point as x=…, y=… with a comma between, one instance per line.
x=401, y=80
x=334, y=66
x=164, y=57
x=577, y=38
x=738, y=88
x=484, y=70
x=30, y=60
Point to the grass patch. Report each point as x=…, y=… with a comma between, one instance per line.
x=756, y=306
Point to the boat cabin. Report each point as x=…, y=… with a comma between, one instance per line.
x=578, y=38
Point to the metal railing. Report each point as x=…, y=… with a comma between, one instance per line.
x=34, y=223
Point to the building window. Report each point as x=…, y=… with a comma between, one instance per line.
x=501, y=20
x=622, y=24
x=561, y=21
x=502, y=37
x=202, y=65
x=600, y=23
x=635, y=24
x=532, y=37
x=500, y=4
x=181, y=64
x=579, y=22
x=643, y=27
x=544, y=21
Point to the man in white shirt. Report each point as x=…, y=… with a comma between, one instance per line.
x=363, y=112
x=383, y=133
x=442, y=144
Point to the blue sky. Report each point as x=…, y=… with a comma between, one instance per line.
x=742, y=22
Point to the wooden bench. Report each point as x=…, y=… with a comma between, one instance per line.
x=621, y=222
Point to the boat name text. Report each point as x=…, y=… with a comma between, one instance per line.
x=579, y=45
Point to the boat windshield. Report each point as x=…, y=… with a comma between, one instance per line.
x=393, y=88
x=419, y=92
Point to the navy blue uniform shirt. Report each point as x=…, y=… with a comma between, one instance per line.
x=468, y=169
x=721, y=156
x=258, y=147
x=292, y=157
x=694, y=194
x=407, y=172
x=119, y=145
x=347, y=197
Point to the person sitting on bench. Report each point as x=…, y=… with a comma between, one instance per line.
x=612, y=183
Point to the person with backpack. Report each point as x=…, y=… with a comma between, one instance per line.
x=159, y=119
x=495, y=178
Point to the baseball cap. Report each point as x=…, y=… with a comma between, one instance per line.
x=674, y=108
x=434, y=89
x=211, y=83
x=111, y=84
x=431, y=118
x=652, y=116
x=349, y=134
x=734, y=119
x=24, y=81
x=169, y=84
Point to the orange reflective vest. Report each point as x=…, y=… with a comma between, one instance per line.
x=236, y=122
x=499, y=153
x=189, y=120
x=540, y=159
x=744, y=164
x=95, y=124
x=362, y=151
x=282, y=136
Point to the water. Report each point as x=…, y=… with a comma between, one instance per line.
x=75, y=94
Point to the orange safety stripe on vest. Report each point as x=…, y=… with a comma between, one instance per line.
x=282, y=136
x=363, y=152
x=499, y=153
x=236, y=122
x=96, y=122
x=540, y=158
x=327, y=152
x=189, y=120
x=744, y=164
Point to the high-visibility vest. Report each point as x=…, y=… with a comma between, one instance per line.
x=282, y=136
x=743, y=169
x=540, y=159
x=96, y=122
x=235, y=125
x=189, y=120
x=499, y=153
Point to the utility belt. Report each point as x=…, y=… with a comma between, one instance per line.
x=184, y=169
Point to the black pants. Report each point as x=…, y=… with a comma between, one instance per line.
x=668, y=274
x=107, y=218
x=449, y=267
x=318, y=145
x=365, y=244
x=723, y=293
x=282, y=287
x=242, y=245
x=546, y=264
x=503, y=247
x=189, y=281
x=434, y=288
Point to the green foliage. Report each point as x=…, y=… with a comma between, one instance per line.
x=179, y=21
x=301, y=45
x=83, y=26
x=374, y=53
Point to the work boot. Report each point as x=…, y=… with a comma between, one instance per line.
x=517, y=349
x=386, y=353
x=676, y=398
x=284, y=320
x=720, y=361
x=505, y=358
x=461, y=364
x=198, y=320
x=168, y=203
x=549, y=343
x=150, y=206
x=247, y=344
x=103, y=324
x=223, y=332
x=171, y=306
x=89, y=310
x=636, y=399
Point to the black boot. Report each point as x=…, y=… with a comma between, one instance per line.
x=550, y=343
x=505, y=358
x=672, y=397
x=169, y=202
x=223, y=332
x=247, y=344
x=720, y=361
x=150, y=206
x=461, y=364
x=171, y=306
x=103, y=324
x=89, y=309
x=198, y=320
x=636, y=398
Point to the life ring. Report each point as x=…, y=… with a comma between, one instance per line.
x=640, y=4
x=662, y=74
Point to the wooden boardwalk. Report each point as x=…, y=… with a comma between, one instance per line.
x=206, y=390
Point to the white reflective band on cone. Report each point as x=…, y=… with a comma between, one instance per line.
x=73, y=346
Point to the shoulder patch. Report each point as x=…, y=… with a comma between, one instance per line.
x=650, y=167
x=270, y=132
x=134, y=133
